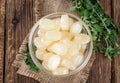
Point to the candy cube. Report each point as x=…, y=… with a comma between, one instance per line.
x=82, y=38
x=39, y=53
x=74, y=49
x=77, y=59
x=60, y=71
x=47, y=24
x=37, y=42
x=53, y=62
x=40, y=42
x=57, y=23
x=58, y=48
x=76, y=28
x=64, y=22
x=44, y=64
x=41, y=32
x=53, y=35
x=68, y=64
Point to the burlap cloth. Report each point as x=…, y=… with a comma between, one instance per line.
x=44, y=7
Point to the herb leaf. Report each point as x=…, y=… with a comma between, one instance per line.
x=29, y=61
x=103, y=29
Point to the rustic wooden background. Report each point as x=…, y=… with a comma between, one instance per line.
x=17, y=18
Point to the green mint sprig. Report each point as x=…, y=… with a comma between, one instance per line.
x=103, y=29
x=29, y=61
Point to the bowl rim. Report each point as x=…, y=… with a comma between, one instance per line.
x=37, y=63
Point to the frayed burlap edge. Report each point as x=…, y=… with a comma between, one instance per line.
x=23, y=69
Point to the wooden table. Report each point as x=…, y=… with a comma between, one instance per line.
x=17, y=18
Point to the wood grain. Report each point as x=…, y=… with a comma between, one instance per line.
x=116, y=61
x=10, y=42
x=101, y=70
x=2, y=38
x=19, y=20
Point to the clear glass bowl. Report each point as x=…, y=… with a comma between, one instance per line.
x=33, y=33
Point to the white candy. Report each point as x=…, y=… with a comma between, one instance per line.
x=44, y=64
x=74, y=49
x=53, y=62
x=40, y=42
x=65, y=22
x=41, y=32
x=46, y=56
x=58, y=48
x=37, y=42
x=76, y=28
x=47, y=24
x=84, y=46
x=53, y=35
x=57, y=23
x=77, y=59
x=82, y=38
x=45, y=42
x=77, y=44
x=68, y=64
x=60, y=71
x=39, y=53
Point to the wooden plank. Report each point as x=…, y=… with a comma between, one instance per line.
x=10, y=43
x=19, y=20
x=116, y=61
x=101, y=70
x=2, y=38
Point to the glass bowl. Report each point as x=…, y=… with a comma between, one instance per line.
x=88, y=51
